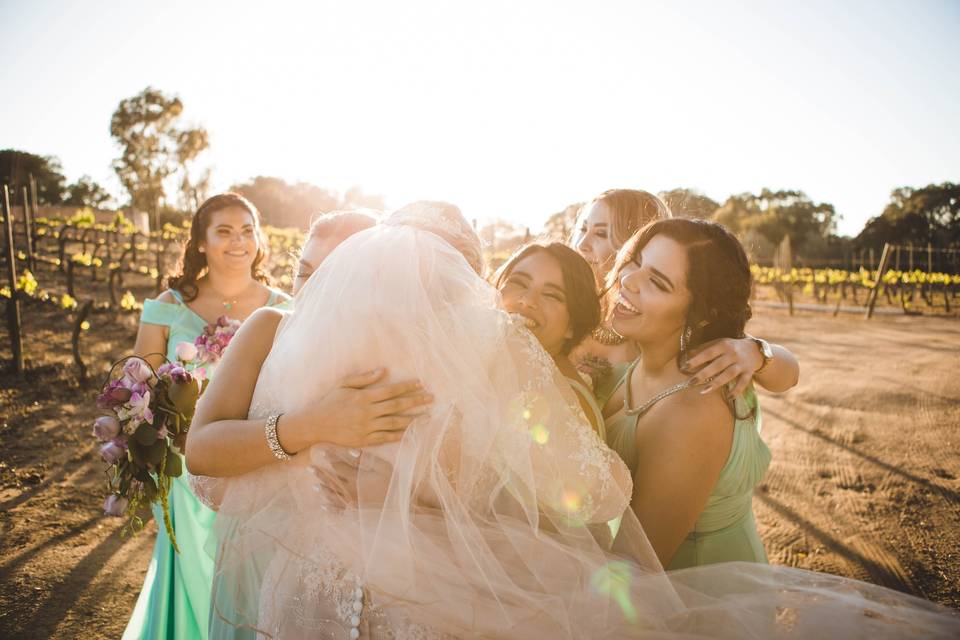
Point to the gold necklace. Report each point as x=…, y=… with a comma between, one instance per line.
x=608, y=337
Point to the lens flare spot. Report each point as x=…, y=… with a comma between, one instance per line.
x=614, y=579
x=540, y=434
x=572, y=501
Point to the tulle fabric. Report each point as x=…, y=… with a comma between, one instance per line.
x=489, y=518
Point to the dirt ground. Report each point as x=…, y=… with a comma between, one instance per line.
x=864, y=482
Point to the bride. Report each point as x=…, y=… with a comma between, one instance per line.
x=491, y=517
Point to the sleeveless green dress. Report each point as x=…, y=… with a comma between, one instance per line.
x=174, y=602
x=726, y=530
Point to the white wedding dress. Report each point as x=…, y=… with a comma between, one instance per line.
x=489, y=519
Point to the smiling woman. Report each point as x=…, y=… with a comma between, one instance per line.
x=553, y=289
x=219, y=275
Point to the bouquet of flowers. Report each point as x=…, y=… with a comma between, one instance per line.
x=142, y=435
x=213, y=341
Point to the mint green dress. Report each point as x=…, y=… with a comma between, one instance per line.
x=174, y=602
x=726, y=530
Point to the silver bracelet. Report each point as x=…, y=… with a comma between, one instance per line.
x=272, y=441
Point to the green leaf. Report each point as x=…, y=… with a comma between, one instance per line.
x=156, y=452
x=184, y=396
x=150, y=490
x=174, y=466
x=145, y=435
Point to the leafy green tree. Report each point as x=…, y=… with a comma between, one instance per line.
x=287, y=205
x=687, y=203
x=16, y=167
x=929, y=214
x=154, y=145
x=561, y=225
x=776, y=214
x=86, y=193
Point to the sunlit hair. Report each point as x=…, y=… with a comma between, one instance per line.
x=193, y=262
x=341, y=224
x=630, y=209
x=579, y=285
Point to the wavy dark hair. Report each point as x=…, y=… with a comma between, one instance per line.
x=718, y=279
x=193, y=262
x=579, y=284
x=718, y=275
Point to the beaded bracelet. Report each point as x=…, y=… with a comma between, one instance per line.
x=272, y=441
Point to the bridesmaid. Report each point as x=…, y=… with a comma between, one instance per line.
x=553, y=288
x=220, y=275
x=605, y=224
x=696, y=454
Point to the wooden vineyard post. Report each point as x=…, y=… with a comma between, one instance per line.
x=159, y=245
x=784, y=262
x=82, y=314
x=28, y=231
x=872, y=299
x=14, y=325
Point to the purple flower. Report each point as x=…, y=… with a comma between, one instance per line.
x=112, y=451
x=114, y=505
x=106, y=428
x=140, y=407
x=137, y=370
x=180, y=375
x=114, y=395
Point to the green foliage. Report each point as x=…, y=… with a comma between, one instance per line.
x=16, y=167
x=687, y=203
x=776, y=214
x=82, y=218
x=86, y=193
x=561, y=226
x=293, y=205
x=153, y=146
x=929, y=214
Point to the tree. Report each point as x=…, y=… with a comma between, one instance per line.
x=929, y=214
x=16, y=167
x=288, y=205
x=776, y=214
x=561, y=225
x=86, y=193
x=687, y=203
x=154, y=146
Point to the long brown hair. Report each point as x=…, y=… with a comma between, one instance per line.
x=193, y=262
x=718, y=279
x=630, y=209
x=579, y=284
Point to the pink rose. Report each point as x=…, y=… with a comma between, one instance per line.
x=106, y=428
x=186, y=351
x=112, y=451
x=114, y=505
x=137, y=370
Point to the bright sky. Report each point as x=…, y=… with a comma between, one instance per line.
x=509, y=109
